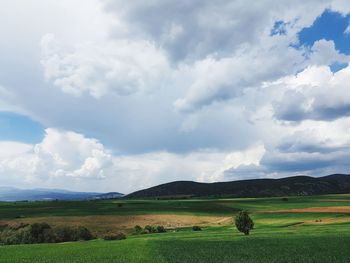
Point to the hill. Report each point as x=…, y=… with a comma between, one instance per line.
x=16, y=194
x=297, y=185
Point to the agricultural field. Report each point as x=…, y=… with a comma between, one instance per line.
x=297, y=229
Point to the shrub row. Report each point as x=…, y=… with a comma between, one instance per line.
x=117, y=236
x=43, y=233
x=149, y=229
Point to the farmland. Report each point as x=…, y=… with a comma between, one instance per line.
x=299, y=229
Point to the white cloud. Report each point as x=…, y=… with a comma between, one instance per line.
x=10, y=148
x=341, y=6
x=323, y=52
x=135, y=172
x=121, y=67
x=215, y=80
x=313, y=148
x=64, y=157
x=60, y=154
x=315, y=93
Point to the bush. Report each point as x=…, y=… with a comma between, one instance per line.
x=82, y=233
x=137, y=229
x=285, y=199
x=150, y=229
x=161, y=229
x=154, y=229
x=3, y=227
x=38, y=233
x=243, y=222
x=196, y=228
x=17, y=226
x=65, y=234
x=8, y=237
x=118, y=236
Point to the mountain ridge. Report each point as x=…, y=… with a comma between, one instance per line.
x=44, y=194
x=266, y=187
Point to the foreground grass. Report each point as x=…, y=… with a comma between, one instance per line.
x=215, y=244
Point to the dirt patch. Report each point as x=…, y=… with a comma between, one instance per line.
x=329, y=209
x=105, y=224
x=325, y=221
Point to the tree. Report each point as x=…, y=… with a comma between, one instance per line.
x=243, y=222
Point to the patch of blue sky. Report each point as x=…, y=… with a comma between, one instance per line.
x=15, y=127
x=335, y=67
x=330, y=26
x=279, y=28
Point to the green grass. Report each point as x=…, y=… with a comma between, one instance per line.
x=277, y=237
x=190, y=206
x=215, y=244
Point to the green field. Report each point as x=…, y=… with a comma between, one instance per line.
x=304, y=235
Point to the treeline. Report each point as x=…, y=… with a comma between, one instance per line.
x=42, y=233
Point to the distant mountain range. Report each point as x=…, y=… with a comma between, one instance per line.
x=15, y=194
x=290, y=186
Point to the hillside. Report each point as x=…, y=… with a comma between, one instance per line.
x=297, y=185
x=16, y=194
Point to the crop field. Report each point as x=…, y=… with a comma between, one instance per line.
x=300, y=229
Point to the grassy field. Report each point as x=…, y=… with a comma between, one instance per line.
x=302, y=229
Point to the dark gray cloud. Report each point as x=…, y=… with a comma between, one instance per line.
x=194, y=29
x=251, y=171
x=293, y=108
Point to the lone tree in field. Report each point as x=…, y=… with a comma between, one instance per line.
x=243, y=222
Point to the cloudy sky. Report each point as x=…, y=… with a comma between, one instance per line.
x=102, y=95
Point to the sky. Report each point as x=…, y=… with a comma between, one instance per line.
x=102, y=95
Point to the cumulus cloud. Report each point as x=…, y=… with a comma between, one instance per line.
x=340, y=6
x=313, y=148
x=216, y=80
x=220, y=54
x=323, y=52
x=65, y=156
x=133, y=172
x=315, y=93
x=10, y=148
x=60, y=154
x=122, y=67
